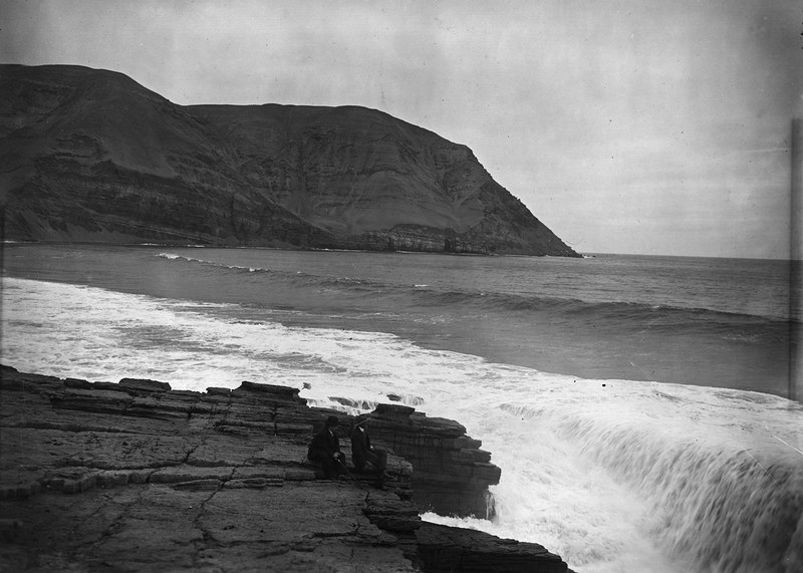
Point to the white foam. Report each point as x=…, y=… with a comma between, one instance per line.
x=594, y=470
x=171, y=256
x=175, y=257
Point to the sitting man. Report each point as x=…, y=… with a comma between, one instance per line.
x=363, y=452
x=325, y=450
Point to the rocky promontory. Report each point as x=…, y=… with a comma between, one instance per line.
x=135, y=476
x=91, y=155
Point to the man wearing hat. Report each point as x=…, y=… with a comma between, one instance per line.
x=362, y=452
x=325, y=450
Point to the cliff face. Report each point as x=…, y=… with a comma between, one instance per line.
x=135, y=476
x=92, y=155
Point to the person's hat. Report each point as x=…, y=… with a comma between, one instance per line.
x=360, y=420
x=332, y=421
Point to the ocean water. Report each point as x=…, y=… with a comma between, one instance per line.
x=636, y=405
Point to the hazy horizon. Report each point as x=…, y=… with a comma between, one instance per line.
x=627, y=128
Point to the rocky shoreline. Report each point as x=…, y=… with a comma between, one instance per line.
x=135, y=476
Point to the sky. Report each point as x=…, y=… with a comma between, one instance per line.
x=646, y=127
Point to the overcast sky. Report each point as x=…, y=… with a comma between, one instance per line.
x=632, y=127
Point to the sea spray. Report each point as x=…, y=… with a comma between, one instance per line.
x=717, y=468
x=722, y=507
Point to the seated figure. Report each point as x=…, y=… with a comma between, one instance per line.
x=325, y=450
x=362, y=452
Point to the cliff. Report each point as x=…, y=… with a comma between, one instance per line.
x=92, y=155
x=135, y=476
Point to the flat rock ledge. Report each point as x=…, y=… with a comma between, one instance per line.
x=134, y=476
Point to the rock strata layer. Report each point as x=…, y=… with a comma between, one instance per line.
x=452, y=473
x=134, y=476
x=91, y=155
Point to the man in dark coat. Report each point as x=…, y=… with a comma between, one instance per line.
x=362, y=452
x=325, y=450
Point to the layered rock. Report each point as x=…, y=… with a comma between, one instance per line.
x=92, y=155
x=377, y=182
x=452, y=474
x=135, y=476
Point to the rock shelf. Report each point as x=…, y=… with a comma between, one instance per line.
x=134, y=476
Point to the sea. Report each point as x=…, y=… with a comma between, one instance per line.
x=638, y=407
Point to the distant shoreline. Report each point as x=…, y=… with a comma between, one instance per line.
x=583, y=254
